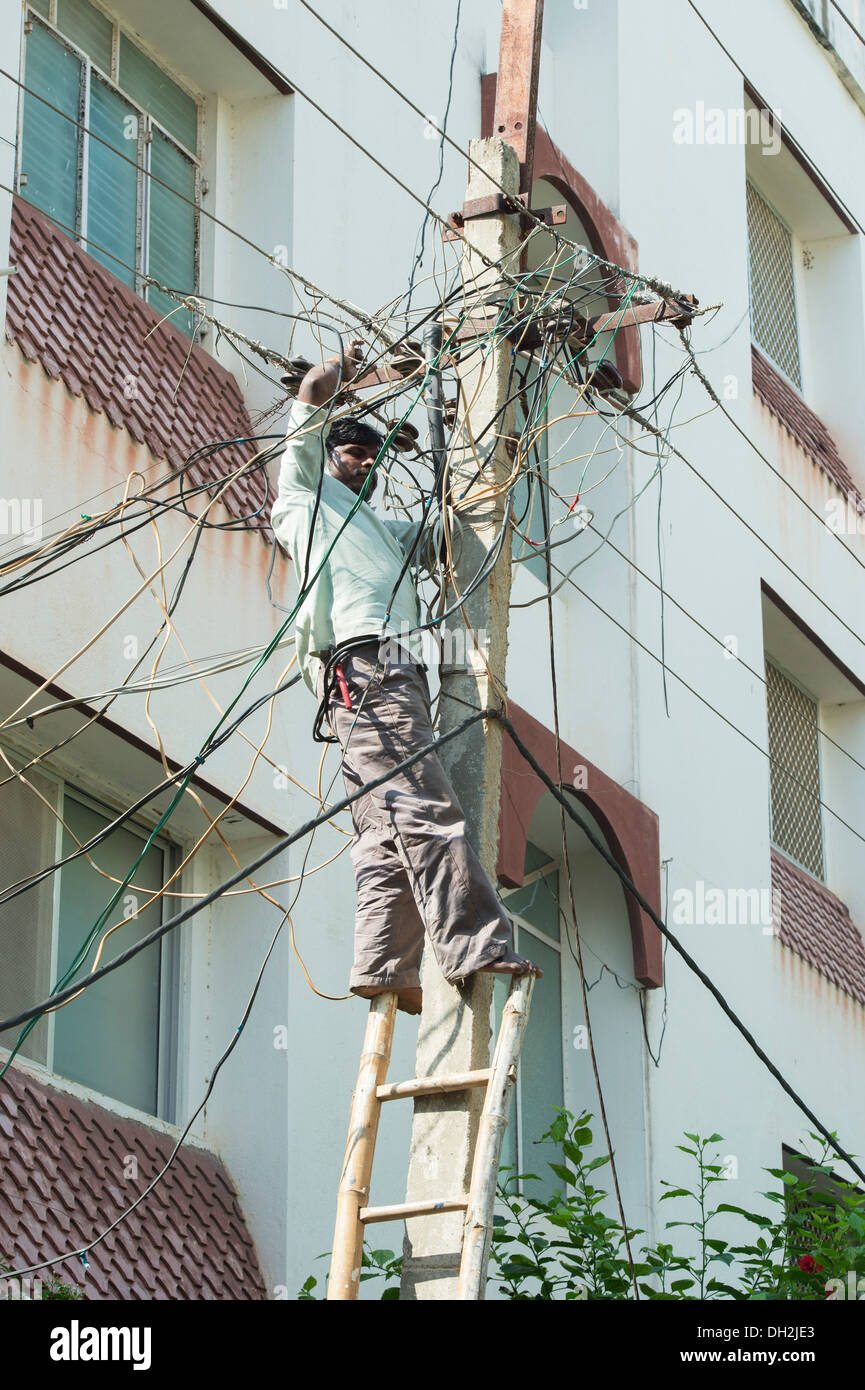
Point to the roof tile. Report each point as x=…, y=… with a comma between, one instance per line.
x=817, y=926
x=800, y=422
x=178, y=1247
x=74, y=317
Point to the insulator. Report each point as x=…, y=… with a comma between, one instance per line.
x=405, y=438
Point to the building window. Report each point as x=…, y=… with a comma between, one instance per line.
x=840, y=23
x=534, y=909
x=774, y=322
x=129, y=219
x=821, y=1215
x=119, y=1037
x=794, y=771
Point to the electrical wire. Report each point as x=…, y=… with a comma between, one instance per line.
x=794, y=143
x=597, y=843
x=631, y=888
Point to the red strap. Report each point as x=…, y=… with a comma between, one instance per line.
x=340, y=676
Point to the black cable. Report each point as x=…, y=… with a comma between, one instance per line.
x=774, y=761
x=334, y=660
x=434, y=493
x=800, y=151
x=55, y=1000
x=677, y=946
x=127, y=518
x=235, y=1038
x=797, y=574
x=438, y=178
x=172, y=606
x=14, y=890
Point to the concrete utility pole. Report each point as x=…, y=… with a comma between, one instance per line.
x=455, y=1029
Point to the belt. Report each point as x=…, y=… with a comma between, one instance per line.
x=331, y=658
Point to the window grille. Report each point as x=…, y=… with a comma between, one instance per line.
x=794, y=772
x=772, y=291
x=825, y=1205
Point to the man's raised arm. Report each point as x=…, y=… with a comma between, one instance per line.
x=320, y=383
x=303, y=459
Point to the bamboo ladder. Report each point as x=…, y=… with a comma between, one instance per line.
x=352, y=1213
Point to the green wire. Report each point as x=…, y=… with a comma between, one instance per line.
x=169, y=811
x=490, y=337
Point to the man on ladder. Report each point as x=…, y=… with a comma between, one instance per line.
x=414, y=866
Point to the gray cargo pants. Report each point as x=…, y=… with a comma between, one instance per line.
x=414, y=867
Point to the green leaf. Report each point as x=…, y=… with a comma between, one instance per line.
x=390, y=1295
x=752, y=1216
x=716, y=1285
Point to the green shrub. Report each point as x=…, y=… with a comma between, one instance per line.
x=566, y=1247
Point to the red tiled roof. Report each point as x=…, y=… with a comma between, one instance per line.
x=817, y=925
x=62, y=1161
x=73, y=316
x=805, y=427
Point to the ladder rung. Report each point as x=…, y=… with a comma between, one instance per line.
x=403, y=1209
x=433, y=1085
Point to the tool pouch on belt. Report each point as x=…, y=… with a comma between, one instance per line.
x=332, y=658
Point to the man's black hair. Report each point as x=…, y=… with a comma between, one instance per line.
x=353, y=431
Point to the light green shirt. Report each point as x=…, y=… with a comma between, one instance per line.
x=350, y=597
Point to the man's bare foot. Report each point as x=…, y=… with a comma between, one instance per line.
x=510, y=964
x=408, y=999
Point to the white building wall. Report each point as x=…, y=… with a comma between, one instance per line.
x=611, y=80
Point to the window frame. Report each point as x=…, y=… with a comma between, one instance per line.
x=171, y=958
x=522, y=924
x=798, y=296
x=770, y=660
x=147, y=125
